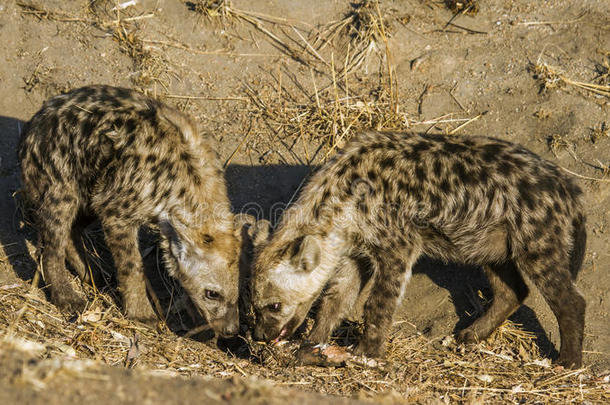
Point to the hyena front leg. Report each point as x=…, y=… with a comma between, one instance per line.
x=337, y=301
x=509, y=291
x=388, y=284
x=55, y=218
x=74, y=253
x=122, y=240
x=552, y=277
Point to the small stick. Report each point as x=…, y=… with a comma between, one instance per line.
x=243, y=140
x=128, y=19
x=196, y=330
x=314, y=52
x=469, y=30
x=11, y=329
x=455, y=98
x=219, y=53
x=205, y=98
x=466, y=123
x=577, y=19
x=583, y=177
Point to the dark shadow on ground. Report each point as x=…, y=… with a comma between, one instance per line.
x=13, y=234
x=462, y=283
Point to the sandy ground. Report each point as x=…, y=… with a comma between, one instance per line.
x=253, y=80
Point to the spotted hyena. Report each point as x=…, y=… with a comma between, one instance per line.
x=128, y=160
x=366, y=216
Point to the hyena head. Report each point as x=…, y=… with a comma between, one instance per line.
x=287, y=279
x=206, y=262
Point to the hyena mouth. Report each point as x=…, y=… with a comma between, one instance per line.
x=286, y=330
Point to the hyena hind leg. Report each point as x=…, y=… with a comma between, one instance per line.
x=554, y=280
x=337, y=302
x=509, y=292
x=55, y=217
x=74, y=253
x=122, y=240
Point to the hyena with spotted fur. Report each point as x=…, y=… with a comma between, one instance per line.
x=128, y=160
x=366, y=216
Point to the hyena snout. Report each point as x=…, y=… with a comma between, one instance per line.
x=228, y=324
x=261, y=334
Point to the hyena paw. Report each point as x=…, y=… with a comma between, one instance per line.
x=468, y=335
x=318, y=337
x=142, y=313
x=68, y=301
x=369, y=349
x=573, y=360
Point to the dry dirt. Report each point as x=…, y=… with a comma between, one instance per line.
x=280, y=84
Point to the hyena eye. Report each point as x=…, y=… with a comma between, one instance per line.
x=274, y=307
x=207, y=238
x=212, y=295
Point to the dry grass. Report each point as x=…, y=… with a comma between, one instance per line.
x=602, y=69
x=210, y=8
x=551, y=77
x=470, y=7
x=505, y=368
x=362, y=33
x=293, y=118
x=600, y=132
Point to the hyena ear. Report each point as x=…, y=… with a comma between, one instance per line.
x=176, y=246
x=308, y=253
x=258, y=231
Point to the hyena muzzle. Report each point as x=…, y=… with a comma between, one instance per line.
x=366, y=216
x=116, y=155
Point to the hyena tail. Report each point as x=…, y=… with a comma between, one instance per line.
x=579, y=237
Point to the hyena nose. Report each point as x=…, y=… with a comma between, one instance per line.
x=259, y=334
x=231, y=325
x=231, y=329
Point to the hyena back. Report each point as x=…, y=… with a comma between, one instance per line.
x=119, y=156
x=366, y=216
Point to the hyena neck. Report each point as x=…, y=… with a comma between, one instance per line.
x=333, y=247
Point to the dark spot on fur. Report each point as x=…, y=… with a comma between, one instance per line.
x=505, y=168
x=341, y=171
x=386, y=184
x=87, y=127
x=437, y=168
x=130, y=125
x=451, y=147
x=111, y=212
x=387, y=162
x=445, y=186
x=459, y=170
x=420, y=173
x=492, y=151
x=421, y=146
x=483, y=176
x=526, y=193
x=122, y=93
x=409, y=154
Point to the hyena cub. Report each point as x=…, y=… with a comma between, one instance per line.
x=366, y=216
x=119, y=156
